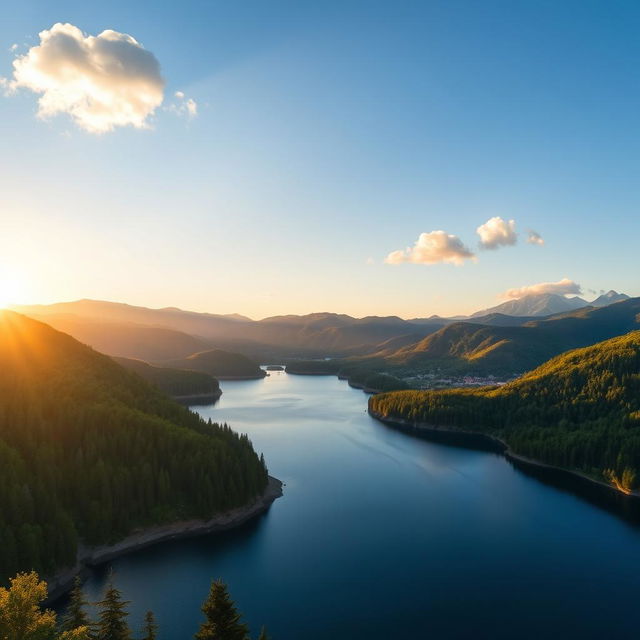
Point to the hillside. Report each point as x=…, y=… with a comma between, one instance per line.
x=580, y=410
x=220, y=364
x=311, y=335
x=89, y=451
x=126, y=340
x=178, y=383
x=471, y=348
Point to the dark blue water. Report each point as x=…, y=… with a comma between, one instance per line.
x=380, y=536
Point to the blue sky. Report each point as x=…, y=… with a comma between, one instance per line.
x=329, y=135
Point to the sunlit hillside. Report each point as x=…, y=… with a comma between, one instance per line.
x=580, y=410
x=89, y=451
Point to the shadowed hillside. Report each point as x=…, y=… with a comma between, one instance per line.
x=220, y=364
x=179, y=383
x=127, y=340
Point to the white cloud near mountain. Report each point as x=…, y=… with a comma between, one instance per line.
x=101, y=82
x=533, y=237
x=496, y=232
x=432, y=248
x=562, y=287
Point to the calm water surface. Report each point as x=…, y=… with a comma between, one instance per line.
x=381, y=536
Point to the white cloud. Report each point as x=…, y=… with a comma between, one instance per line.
x=13, y=47
x=497, y=232
x=533, y=237
x=562, y=287
x=431, y=248
x=184, y=106
x=102, y=81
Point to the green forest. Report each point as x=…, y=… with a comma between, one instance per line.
x=22, y=616
x=357, y=376
x=90, y=451
x=174, y=382
x=580, y=410
x=218, y=363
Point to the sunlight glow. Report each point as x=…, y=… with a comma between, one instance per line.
x=12, y=287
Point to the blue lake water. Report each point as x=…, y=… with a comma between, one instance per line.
x=380, y=535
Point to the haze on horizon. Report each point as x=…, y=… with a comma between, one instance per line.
x=354, y=157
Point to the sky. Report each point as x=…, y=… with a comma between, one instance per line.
x=370, y=158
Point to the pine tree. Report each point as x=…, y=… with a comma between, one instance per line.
x=76, y=615
x=112, y=623
x=150, y=627
x=222, y=618
x=263, y=634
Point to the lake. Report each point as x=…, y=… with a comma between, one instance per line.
x=380, y=535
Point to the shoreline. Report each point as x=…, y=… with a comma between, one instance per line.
x=88, y=557
x=587, y=487
x=213, y=396
x=353, y=385
x=250, y=377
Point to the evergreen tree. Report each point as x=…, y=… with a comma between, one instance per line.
x=150, y=627
x=112, y=623
x=222, y=618
x=263, y=634
x=76, y=615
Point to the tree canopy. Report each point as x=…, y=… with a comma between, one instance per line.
x=89, y=451
x=580, y=410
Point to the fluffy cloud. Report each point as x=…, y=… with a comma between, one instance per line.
x=102, y=81
x=533, y=237
x=431, y=248
x=184, y=106
x=497, y=232
x=562, y=287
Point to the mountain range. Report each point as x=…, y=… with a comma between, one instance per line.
x=545, y=304
x=496, y=342
x=466, y=347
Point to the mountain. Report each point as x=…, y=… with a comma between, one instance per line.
x=465, y=347
x=580, y=410
x=125, y=339
x=312, y=335
x=178, y=383
x=543, y=304
x=90, y=451
x=611, y=297
x=218, y=363
x=204, y=325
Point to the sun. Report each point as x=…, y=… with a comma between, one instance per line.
x=11, y=287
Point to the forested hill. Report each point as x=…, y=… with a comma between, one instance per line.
x=178, y=383
x=471, y=348
x=90, y=451
x=218, y=363
x=580, y=410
